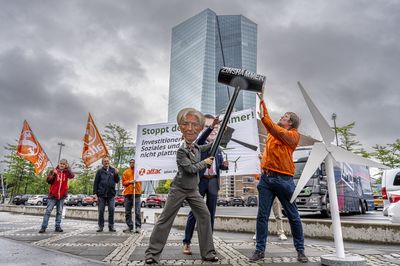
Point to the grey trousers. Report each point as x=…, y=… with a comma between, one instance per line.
x=163, y=226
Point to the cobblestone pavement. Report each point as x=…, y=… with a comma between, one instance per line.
x=80, y=239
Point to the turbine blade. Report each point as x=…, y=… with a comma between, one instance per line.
x=342, y=155
x=324, y=129
x=317, y=155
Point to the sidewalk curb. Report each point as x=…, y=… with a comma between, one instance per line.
x=313, y=228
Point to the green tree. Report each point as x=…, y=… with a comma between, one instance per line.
x=121, y=145
x=120, y=142
x=20, y=176
x=83, y=182
x=389, y=154
x=347, y=138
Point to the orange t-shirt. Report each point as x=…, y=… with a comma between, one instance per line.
x=279, y=148
x=129, y=175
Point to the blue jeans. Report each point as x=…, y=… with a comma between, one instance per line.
x=50, y=205
x=128, y=210
x=281, y=186
x=103, y=201
x=207, y=187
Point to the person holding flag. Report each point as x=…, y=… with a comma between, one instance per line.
x=30, y=149
x=94, y=149
x=58, y=180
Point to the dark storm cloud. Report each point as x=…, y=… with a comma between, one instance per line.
x=60, y=60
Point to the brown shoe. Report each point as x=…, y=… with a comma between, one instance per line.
x=186, y=249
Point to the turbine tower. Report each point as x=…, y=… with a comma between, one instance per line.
x=326, y=151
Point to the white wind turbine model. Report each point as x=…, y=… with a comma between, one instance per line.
x=326, y=151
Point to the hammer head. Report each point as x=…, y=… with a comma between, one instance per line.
x=242, y=78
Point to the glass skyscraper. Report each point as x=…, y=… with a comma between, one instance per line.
x=200, y=46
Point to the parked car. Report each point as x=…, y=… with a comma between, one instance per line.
x=74, y=200
x=143, y=201
x=390, y=185
x=36, y=200
x=394, y=208
x=119, y=200
x=21, y=199
x=90, y=200
x=223, y=202
x=251, y=201
x=237, y=201
x=378, y=202
x=155, y=200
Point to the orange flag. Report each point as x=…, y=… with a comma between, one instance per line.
x=29, y=149
x=93, y=145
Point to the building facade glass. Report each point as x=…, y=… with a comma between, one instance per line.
x=200, y=46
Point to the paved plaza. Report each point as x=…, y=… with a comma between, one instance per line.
x=79, y=244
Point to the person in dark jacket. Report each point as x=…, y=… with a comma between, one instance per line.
x=104, y=189
x=58, y=180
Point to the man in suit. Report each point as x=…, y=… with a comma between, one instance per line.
x=209, y=180
x=185, y=187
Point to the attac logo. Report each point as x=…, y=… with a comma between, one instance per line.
x=142, y=171
x=152, y=171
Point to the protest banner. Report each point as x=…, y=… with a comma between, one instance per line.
x=156, y=147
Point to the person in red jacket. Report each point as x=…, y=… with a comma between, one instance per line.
x=58, y=180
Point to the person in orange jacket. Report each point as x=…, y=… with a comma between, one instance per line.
x=277, y=180
x=132, y=193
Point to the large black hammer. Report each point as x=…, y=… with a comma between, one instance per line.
x=240, y=79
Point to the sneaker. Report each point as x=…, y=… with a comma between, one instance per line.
x=127, y=230
x=186, y=249
x=99, y=230
x=301, y=257
x=257, y=255
x=59, y=230
x=282, y=237
x=42, y=230
x=111, y=229
x=255, y=237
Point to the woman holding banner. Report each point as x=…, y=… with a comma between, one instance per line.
x=185, y=187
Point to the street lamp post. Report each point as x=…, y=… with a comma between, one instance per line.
x=334, y=125
x=59, y=153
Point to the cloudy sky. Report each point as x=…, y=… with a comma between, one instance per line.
x=60, y=60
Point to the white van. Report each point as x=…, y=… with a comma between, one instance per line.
x=390, y=185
